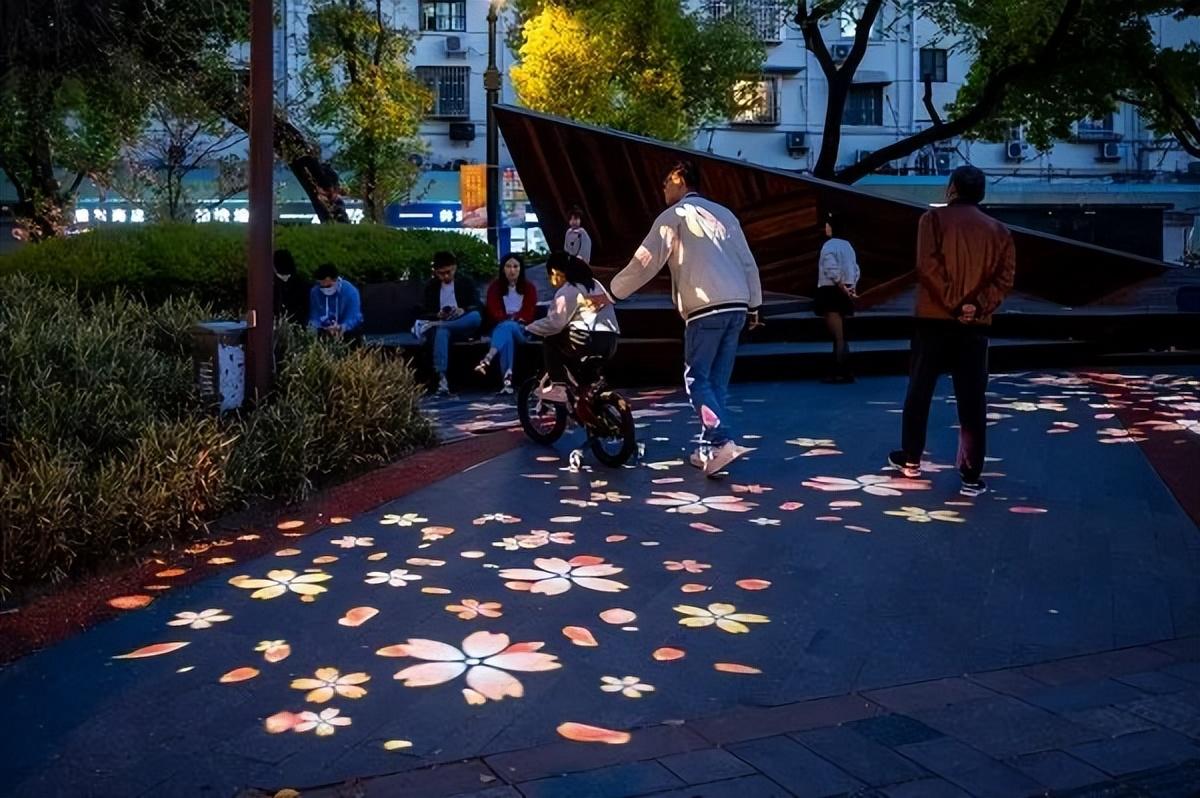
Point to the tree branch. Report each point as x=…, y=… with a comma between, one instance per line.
x=990, y=99
x=810, y=26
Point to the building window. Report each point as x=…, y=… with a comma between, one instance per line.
x=451, y=100
x=933, y=64
x=864, y=105
x=444, y=15
x=765, y=17
x=756, y=102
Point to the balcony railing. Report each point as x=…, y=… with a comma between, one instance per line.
x=765, y=17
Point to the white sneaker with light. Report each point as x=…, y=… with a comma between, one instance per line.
x=554, y=392
x=721, y=456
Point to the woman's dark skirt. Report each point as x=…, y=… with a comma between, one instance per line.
x=831, y=299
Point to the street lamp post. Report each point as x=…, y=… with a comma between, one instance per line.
x=259, y=271
x=491, y=82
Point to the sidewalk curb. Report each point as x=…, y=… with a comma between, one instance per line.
x=76, y=606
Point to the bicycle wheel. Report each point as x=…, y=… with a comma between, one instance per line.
x=542, y=421
x=612, y=435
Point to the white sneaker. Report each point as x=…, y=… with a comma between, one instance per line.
x=721, y=456
x=443, y=386
x=697, y=459
x=554, y=392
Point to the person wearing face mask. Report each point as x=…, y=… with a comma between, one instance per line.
x=965, y=267
x=577, y=241
x=334, y=305
x=291, y=294
x=511, y=304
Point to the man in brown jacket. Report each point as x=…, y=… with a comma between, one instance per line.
x=965, y=265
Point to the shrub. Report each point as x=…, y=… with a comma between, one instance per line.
x=209, y=260
x=104, y=447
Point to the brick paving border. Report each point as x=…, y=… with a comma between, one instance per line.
x=1116, y=723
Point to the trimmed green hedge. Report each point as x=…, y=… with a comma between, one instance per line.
x=209, y=260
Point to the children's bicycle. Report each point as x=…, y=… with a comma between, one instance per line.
x=602, y=412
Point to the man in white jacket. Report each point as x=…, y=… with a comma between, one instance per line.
x=715, y=287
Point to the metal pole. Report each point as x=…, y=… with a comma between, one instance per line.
x=491, y=82
x=259, y=274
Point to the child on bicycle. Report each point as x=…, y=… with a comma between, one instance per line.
x=579, y=322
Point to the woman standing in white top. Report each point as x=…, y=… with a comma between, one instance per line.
x=837, y=276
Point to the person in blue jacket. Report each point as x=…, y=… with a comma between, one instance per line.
x=334, y=307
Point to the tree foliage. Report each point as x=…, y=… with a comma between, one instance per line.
x=1044, y=64
x=647, y=67
x=367, y=95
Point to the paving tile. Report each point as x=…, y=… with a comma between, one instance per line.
x=453, y=779
x=935, y=693
x=568, y=757
x=503, y=791
x=698, y=767
x=615, y=781
x=749, y=724
x=1084, y=695
x=894, y=730
x=1177, y=711
x=1185, y=648
x=925, y=788
x=1005, y=727
x=748, y=787
x=1109, y=721
x=863, y=758
x=1010, y=682
x=1156, y=682
x=1173, y=782
x=1058, y=770
x=1134, y=752
x=1189, y=671
x=794, y=767
x=972, y=770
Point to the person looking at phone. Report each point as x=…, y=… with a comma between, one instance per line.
x=452, y=304
x=334, y=306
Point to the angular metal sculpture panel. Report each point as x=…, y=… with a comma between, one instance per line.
x=616, y=179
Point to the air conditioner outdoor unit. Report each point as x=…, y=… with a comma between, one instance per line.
x=944, y=162
x=1109, y=151
x=795, y=143
x=840, y=52
x=1015, y=150
x=462, y=131
x=454, y=46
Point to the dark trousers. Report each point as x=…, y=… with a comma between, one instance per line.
x=948, y=346
x=564, y=351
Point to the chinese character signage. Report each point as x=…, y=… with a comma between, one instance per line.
x=472, y=180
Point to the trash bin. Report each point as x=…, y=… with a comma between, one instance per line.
x=219, y=358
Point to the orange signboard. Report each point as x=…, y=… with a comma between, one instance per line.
x=472, y=182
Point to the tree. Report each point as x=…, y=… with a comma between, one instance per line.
x=68, y=105
x=1041, y=63
x=183, y=136
x=365, y=92
x=646, y=67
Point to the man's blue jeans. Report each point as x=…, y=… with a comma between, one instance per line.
x=505, y=337
x=709, y=349
x=459, y=329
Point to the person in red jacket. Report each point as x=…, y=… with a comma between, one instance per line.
x=511, y=304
